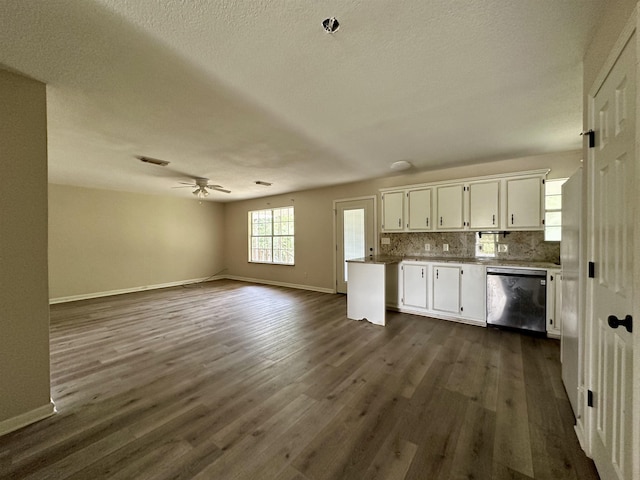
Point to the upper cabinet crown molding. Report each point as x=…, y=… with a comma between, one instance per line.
x=511, y=201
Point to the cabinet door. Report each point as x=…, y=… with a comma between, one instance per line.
x=473, y=288
x=450, y=208
x=392, y=206
x=446, y=289
x=524, y=203
x=419, y=207
x=415, y=285
x=483, y=205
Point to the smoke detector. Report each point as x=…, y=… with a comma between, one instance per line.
x=331, y=25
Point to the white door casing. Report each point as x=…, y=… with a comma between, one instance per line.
x=365, y=206
x=612, y=178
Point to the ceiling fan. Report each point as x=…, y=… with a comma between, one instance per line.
x=202, y=187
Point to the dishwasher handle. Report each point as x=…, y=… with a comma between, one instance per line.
x=516, y=272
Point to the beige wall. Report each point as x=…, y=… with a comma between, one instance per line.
x=102, y=241
x=314, y=217
x=24, y=309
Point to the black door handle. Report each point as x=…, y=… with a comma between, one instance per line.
x=615, y=322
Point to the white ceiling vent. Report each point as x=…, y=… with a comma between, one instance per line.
x=154, y=161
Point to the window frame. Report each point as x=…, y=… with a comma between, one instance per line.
x=547, y=227
x=271, y=235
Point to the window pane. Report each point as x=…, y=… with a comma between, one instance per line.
x=554, y=187
x=553, y=219
x=486, y=245
x=552, y=234
x=353, y=240
x=553, y=202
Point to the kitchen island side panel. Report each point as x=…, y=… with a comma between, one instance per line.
x=366, y=292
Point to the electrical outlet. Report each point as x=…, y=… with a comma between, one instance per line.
x=503, y=248
x=445, y=247
x=427, y=247
x=385, y=241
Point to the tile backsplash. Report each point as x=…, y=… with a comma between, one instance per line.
x=527, y=246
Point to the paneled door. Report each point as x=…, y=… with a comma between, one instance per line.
x=612, y=180
x=355, y=234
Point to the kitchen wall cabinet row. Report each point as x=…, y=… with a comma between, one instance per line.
x=513, y=202
x=451, y=291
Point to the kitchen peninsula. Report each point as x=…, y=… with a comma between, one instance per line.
x=372, y=284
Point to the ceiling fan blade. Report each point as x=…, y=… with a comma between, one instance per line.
x=185, y=186
x=189, y=184
x=219, y=189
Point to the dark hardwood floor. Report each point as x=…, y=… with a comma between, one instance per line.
x=229, y=380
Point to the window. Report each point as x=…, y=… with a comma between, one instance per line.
x=271, y=236
x=486, y=244
x=553, y=210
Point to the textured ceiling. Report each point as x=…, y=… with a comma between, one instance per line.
x=238, y=91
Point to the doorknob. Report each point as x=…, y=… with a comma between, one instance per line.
x=615, y=322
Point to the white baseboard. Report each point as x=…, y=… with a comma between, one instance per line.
x=27, y=418
x=87, y=296
x=578, y=428
x=280, y=284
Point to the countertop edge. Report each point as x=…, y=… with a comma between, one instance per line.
x=390, y=259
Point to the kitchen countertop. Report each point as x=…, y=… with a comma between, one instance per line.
x=378, y=259
x=497, y=262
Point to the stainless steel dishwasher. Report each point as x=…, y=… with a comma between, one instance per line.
x=517, y=298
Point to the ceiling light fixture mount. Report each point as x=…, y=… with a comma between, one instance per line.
x=331, y=25
x=401, y=165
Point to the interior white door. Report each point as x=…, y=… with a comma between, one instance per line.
x=572, y=351
x=355, y=234
x=614, y=203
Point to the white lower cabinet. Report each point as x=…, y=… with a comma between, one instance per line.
x=446, y=288
x=458, y=291
x=414, y=285
x=473, y=292
x=451, y=291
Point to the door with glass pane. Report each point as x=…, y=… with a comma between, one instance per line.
x=355, y=235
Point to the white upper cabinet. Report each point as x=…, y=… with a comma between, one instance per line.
x=419, y=209
x=484, y=202
x=524, y=204
x=495, y=202
x=393, y=211
x=450, y=207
